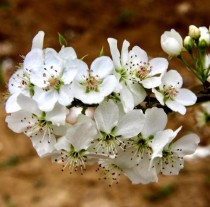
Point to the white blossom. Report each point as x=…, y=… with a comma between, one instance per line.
x=72, y=149
x=134, y=70
x=149, y=142
x=115, y=127
x=170, y=161
x=92, y=85
x=172, y=95
x=40, y=126
x=20, y=80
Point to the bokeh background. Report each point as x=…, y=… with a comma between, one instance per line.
x=28, y=181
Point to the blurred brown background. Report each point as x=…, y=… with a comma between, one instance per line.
x=28, y=181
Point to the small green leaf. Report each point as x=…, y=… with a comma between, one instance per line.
x=101, y=52
x=62, y=40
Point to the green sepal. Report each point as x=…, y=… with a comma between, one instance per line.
x=62, y=40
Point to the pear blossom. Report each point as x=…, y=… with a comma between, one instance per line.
x=18, y=83
x=135, y=72
x=72, y=149
x=148, y=144
x=92, y=85
x=42, y=127
x=115, y=127
x=20, y=80
x=53, y=82
x=171, y=161
x=172, y=95
x=79, y=115
x=135, y=161
x=171, y=43
x=50, y=73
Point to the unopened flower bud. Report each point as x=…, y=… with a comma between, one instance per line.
x=172, y=43
x=204, y=40
x=74, y=112
x=194, y=32
x=188, y=43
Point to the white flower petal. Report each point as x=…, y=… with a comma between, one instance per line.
x=67, y=53
x=89, y=98
x=38, y=40
x=82, y=69
x=43, y=148
x=58, y=115
x=127, y=99
x=130, y=124
x=161, y=139
x=176, y=106
x=155, y=120
x=27, y=104
x=14, y=121
x=33, y=59
x=65, y=96
x=114, y=52
x=60, y=130
x=81, y=139
x=106, y=116
x=159, y=66
x=11, y=105
x=142, y=173
x=102, y=67
x=185, y=145
x=63, y=144
x=151, y=82
x=138, y=93
x=46, y=101
x=124, y=52
x=123, y=160
x=185, y=97
x=52, y=57
x=173, y=169
x=108, y=85
x=69, y=73
x=172, y=78
x=141, y=54
x=15, y=82
x=159, y=96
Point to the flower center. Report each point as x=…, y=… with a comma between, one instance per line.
x=141, y=146
x=53, y=83
x=22, y=81
x=169, y=92
x=108, y=144
x=143, y=71
x=38, y=125
x=123, y=74
x=73, y=159
x=91, y=84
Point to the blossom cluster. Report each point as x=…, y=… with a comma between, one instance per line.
x=79, y=114
x=196, y=43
